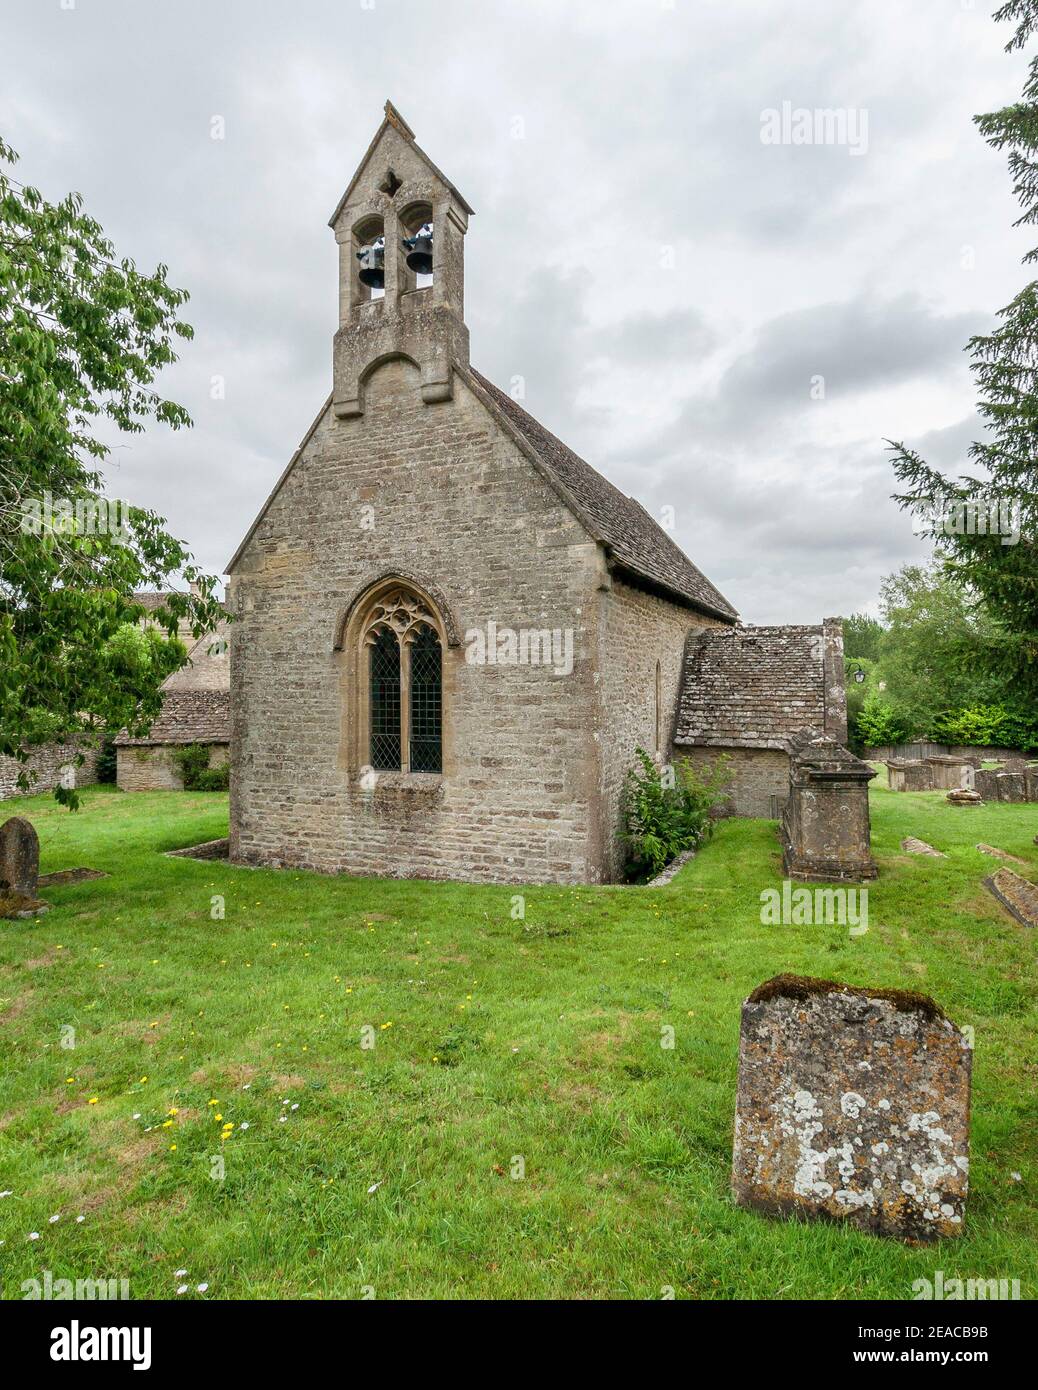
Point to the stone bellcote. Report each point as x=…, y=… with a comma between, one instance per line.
x=396, y=191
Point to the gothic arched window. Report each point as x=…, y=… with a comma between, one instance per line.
x=401, y=639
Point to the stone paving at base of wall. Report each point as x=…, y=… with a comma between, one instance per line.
x=673, y=868
x=209, y=849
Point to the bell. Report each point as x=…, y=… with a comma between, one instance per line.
x=373, y=264
x=419, y=250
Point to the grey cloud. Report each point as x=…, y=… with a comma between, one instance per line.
x=639, y=126
x=857, y=346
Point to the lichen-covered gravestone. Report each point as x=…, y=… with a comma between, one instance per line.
x=19, y=858
x=853, y=1105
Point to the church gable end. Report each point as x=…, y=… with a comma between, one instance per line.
x=452, y=633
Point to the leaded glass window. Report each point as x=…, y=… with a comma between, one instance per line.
x=405, y=693
x=385, y=701
x=426, y=702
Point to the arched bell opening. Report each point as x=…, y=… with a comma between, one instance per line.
x=369, y=259
x=417, y=246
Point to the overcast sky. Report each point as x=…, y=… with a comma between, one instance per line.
x=669, y=286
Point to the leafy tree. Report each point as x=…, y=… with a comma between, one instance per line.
x=935, y=646
x=1005, y=368
x=82, y=338
x=861, y=636
x=879, y=723
x=857, y=692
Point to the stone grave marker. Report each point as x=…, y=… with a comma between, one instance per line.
x=1019, y=896
x=853, y=1105
x=1002, y=854
x=962, y=796
x=1012, y=786
x=19, y=858
x=984, y=783
x=911, y=845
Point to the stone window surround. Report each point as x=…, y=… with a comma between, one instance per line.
x=398, y=601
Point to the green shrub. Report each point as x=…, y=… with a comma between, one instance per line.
x=667, y=810
x=192, y=762
x=214, y=779
x=987, y=725
x=879, y=723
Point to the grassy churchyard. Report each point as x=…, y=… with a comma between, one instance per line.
x=516, y=1129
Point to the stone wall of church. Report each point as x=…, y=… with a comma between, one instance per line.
x=759, y=783
x=440, y=493
x=637, y=630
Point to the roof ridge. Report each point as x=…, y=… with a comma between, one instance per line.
x=616, y=516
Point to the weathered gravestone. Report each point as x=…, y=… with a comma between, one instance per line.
x=984, y=783
x=1019, y=896
x=19, y=858
x=964, y=796
x=945, y=772
x=896, y=774
x=1002, y=854
x=909, y=775
x=1011, y=786
x=911, y=845
x=853, y=1105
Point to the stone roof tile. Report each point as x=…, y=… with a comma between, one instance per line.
x=752, y=687
x=637, y=543
x=187, y=716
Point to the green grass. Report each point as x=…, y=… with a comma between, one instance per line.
x=538, y=1038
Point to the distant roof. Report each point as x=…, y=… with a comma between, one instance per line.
x=188, y=716
x=208, y=662
x=636, y=542
x=752, y=687
x=150, y=599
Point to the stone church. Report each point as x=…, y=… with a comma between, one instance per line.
x=451, y=632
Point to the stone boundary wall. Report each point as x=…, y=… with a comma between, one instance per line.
x=150, y=768
x=47, y=762
x=982, y=753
